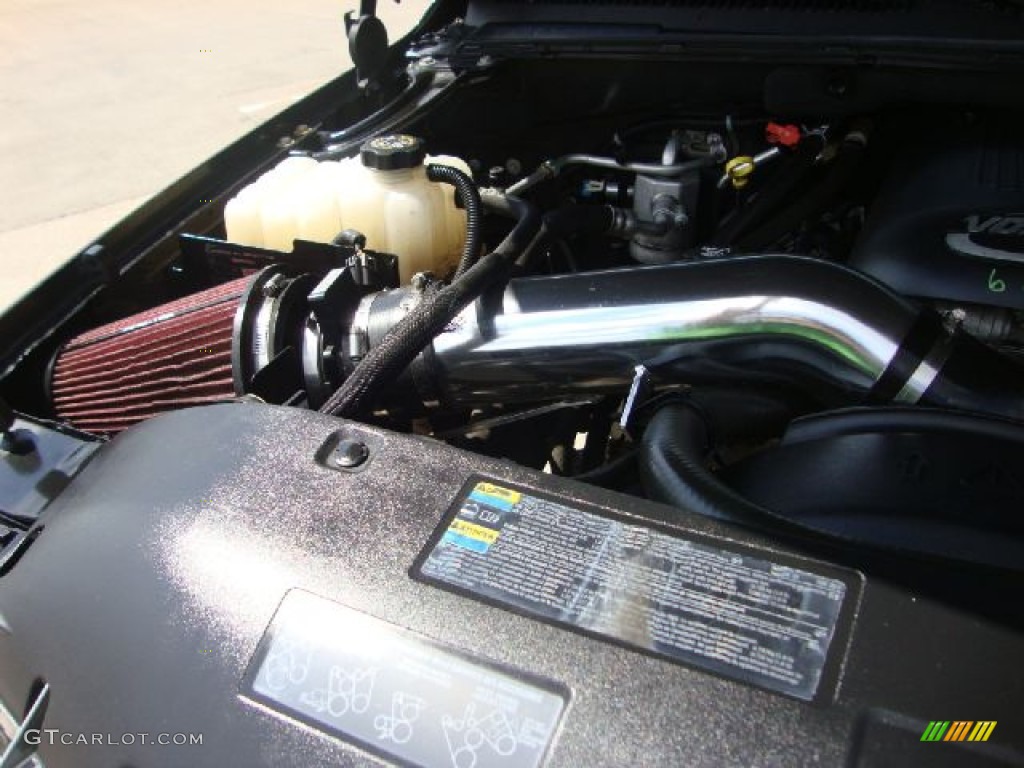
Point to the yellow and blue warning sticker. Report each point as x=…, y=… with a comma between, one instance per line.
x=495, y=496
x=774, y=621
x=478, y=524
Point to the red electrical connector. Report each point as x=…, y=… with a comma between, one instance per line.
x=786, y=135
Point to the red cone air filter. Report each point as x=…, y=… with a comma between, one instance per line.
x=168, y=357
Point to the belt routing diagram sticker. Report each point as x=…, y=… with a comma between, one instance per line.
x=396, y=693
x=749, y=617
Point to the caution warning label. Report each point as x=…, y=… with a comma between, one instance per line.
x=749, y=615
x=481, y=517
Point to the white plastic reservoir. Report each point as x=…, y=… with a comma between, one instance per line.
x=384, y=193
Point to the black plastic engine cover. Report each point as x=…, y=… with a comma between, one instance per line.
x=949, y=222
x=150, y=598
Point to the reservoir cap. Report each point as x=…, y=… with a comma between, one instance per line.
x=393, y=152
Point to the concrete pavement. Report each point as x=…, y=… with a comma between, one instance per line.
x=104, y=103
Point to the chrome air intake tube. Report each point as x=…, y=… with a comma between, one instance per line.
x=784, y=320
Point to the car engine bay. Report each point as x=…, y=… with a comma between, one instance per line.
x=752, y=285
x=700, y=299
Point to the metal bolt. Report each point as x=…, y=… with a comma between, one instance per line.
x=717, y=147
x=667, y=210
x=350, y=454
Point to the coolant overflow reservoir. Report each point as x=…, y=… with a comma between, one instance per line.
x=384, y=193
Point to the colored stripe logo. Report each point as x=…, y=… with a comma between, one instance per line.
x=958, y=730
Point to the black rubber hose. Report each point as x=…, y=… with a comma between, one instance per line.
x=611, y=474
x=897, y=419
x=675, y=445
x=577, y=219
x=474, y=210
x=977, y=377
x=569, y=220
x=681, y=435
x=400, y=346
